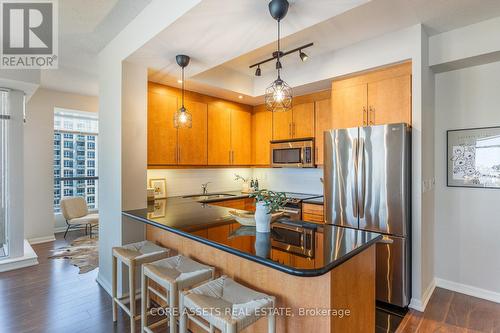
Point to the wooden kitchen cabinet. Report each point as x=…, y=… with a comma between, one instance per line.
x=323, y=122
x=282, y=125
x=241, y=132
x=162, y=136
x=374, y=98
x=229, y=132
x=313, y=213
x=193, y=141
x=219, y=135
x=262, y=134
x=349, y=106
x=294, y=124
x=389, y=101
x=303, y=120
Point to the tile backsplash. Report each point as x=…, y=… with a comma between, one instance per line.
x=188, y=181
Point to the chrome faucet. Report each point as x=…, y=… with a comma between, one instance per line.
x=204, y=187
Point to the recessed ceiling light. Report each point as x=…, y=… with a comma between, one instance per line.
x=240, y=97
x=179, y=81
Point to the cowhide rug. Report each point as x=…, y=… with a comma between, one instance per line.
x=82, y=253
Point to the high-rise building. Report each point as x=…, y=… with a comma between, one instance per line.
x=75, y=156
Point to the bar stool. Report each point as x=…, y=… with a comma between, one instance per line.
x=133, y=255
x=174, y=274
x=225, y=305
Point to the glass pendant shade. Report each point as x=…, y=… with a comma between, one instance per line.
x=278, y=96
x=183, y=119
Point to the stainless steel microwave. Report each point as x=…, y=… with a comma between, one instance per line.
x=295, y=153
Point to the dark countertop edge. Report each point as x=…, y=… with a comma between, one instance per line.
x=314, y=202
x=285, y=269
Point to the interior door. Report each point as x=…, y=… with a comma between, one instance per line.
x=282, y=125
x=219, y=135
x=193, y=141
x=383, y=181
x=241, y=132
x=162, y=135
x=349, y=106
x=303, y=120
x=323, y=122
x=340, y=181
x=389, y=101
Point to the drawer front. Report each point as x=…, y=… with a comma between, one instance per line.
x=313, y=218
x=312, y=209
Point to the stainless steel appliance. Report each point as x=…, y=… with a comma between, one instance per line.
x=367, y=186
x=293, y=237
x=293, y=206
x=296, y=153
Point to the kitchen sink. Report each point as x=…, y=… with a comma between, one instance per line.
x=209, y=196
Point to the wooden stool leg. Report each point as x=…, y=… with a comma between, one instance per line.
x=113, y=285
x=271, y=323
x=172, y=302
x=230, y=328
x=131, y=292
x=144, y=301
x=182, y=315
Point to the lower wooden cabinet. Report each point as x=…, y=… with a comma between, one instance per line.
x=241, y=203
x=313, y=213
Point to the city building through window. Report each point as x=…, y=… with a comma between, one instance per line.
x=75, y=156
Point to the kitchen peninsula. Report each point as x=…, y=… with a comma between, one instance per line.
x=334, y=282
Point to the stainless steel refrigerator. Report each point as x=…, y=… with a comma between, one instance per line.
x=367, y=181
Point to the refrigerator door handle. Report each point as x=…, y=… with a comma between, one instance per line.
x=354, y=188
x=361, y=177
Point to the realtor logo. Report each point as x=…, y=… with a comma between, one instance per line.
x=29, y=34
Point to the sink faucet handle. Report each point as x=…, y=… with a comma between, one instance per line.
x=204, y=187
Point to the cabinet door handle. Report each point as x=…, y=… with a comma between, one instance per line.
x=289, y=129
x=372, y=115
x=179, y=154
x=230, y=157
x=365, y=116
x=293, y=130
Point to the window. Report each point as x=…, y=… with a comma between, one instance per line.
x=75, y=133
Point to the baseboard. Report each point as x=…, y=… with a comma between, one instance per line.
x=421, y=304
x=39, y=240
x=469, y=290
x=104, y=284
x=29, y=258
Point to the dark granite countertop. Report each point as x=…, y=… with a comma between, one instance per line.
x=212, y=225
x=315, y=201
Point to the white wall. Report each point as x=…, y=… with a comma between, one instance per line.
x=290, y=180
x=467, y=247
x=188, y=181
x=39, y=157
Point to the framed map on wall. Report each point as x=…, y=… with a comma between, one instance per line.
x=474, y=157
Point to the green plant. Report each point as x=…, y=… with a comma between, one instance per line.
x=272, y=200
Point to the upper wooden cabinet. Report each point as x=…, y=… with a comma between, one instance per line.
x=229, y=135
x=241, y=132
x=349, y=106
x=297, y=123
x=375, y=98
x=162, y=136
x=389, y=101
x=323, y=122
x=192, y=147
x=219, y=135
x=262, y=134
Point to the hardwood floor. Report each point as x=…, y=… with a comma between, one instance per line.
x=53, y=298
x=452, y=312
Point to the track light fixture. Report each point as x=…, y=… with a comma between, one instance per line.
x=257, y=71
x=303, y=56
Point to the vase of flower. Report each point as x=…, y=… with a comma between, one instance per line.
x=267, y=202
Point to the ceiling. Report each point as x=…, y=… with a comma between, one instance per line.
x=224, y=37
x=223, y=43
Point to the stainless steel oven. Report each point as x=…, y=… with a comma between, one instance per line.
x=293, y=237
x=296, y=153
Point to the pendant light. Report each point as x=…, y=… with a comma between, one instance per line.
x=278, y=96
x=182, y=118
